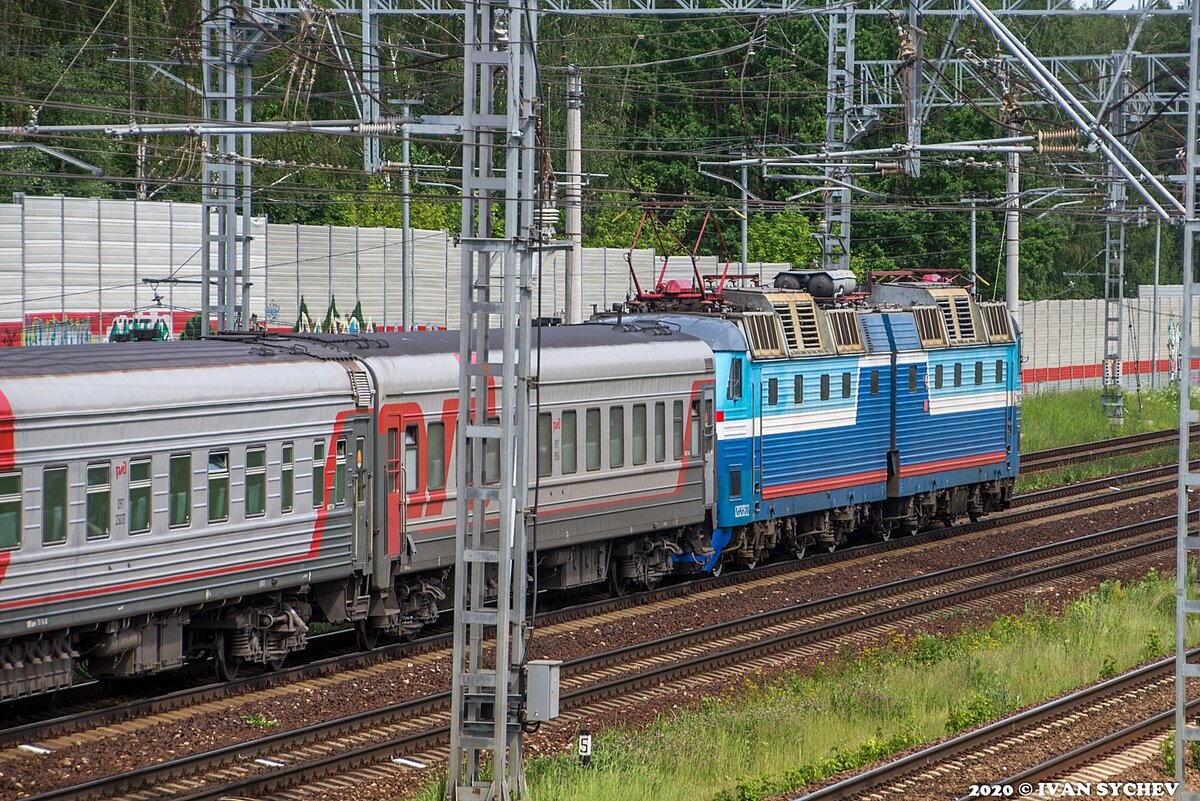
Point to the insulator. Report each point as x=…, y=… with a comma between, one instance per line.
x=1060, y=141
x=376, y=128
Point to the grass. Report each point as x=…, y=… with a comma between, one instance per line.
x=1057, y=419
x=765, y=738
x=1085, y=471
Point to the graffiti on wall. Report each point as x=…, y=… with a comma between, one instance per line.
x=67, y=331
x=146, y=326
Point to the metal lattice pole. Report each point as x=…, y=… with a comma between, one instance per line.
x=498, y=168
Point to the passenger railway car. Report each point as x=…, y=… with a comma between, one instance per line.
x=163, y=502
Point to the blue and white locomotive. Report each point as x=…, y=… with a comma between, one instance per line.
x=163, y=502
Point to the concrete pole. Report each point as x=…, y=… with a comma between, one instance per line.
x=1154, y=308
x=574, y=196
x=974, y=249
x=1012, y=237
x=745, y=215
x=406, y=287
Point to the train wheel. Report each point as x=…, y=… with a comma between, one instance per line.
x=885, y=533
x=800, y=549
x=367, y=636
x=277, y=664
x=227, y=665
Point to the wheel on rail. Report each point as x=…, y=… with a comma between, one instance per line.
x=800, y=549
x=367, y=636
x=617, y=584
x=276, y=664
x=227, y=665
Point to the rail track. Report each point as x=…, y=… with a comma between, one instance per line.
x=89, y=709
x=953, y=765
x=676, y=664
x=1088, y=451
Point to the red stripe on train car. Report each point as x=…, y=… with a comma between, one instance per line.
x=8, y=457
x=5, y=558
x=822, y=484
x=959, y=463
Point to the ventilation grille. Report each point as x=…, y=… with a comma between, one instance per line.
x=801, y=330
x=931, y=328
x=765, y=335
x=996, y=320
x=362, y=390
x=847, y=336
x=959, y=314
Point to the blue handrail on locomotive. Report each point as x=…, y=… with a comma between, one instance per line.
x=163, y=501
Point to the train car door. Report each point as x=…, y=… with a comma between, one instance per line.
x=401, y=466
x=362, y=520
x=702, y=436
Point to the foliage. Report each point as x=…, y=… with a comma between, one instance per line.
x=260, y=721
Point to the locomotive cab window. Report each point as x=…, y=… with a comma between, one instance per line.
x=435, y=449
x=318, y=474
x=912, y=378
x=218, y=486
x=545, y=444
x=735, y=379
x=99, y=501
x=10, y=510
x=978, y=373
x=845, y=385
x=287, y=477
x=999, y=371
x=773, y=391
x=735, y=482
x=256, y=481
x=825, y=386
x=139, y=496
x=54, y=505
x=570, y=442
x=179, y=492
x=798, y=390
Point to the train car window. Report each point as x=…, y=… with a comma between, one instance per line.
x=958, y=374
x=938, y=372
x=912, y=378
x=99, y=501
x=318, y=474
x=592, y=435
x=570, y=442
x=545, y=444
x=287, y=477
x=54, y=505
x=694, y=430
x=798, y=390
x=735, y=379
x=773, y=391
x=10, y=510
x=874, y=382
x=845, y=385
x=139, y=496
x=639, y=433
x=412, y=454
x=435, y=462
x=978, y=373
x=179, y=490
x=491, y=456
x=825, y=386
x=256, y=481
x=735, y=482
x=999, y=371
x=616, y=436
x=360, y=451
x=339, y=472
x=677, y=431
x=660, y=431
x=218, y=486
